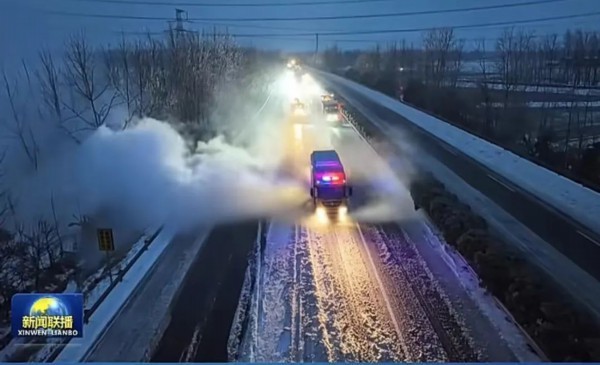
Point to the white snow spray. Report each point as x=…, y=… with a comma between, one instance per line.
x=147, y=175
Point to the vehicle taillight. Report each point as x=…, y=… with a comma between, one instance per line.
x=333, y=178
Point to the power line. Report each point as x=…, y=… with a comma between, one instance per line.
x=407, y=30
x=261, y=4
x=415, y=30
x=311, y=30
x=388, y=15
x=333, y=17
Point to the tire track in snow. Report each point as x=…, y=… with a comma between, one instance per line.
x=419, y=289
x=311, y=339
x=353, y=310
x=377, y=324
x=274, y=299
x=332, y=326
x=421, y=341
x=286, y=320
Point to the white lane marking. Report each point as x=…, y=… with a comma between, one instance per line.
x=254, y=347
x=501, y=183
x=293, y=329
x=380, y=283
x=589, y=238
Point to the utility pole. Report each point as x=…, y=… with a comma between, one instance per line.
x=179, y=19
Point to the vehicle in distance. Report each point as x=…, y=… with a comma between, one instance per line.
x=298, y=108
x=329, y=190
x=331, y=111
x=327, y=97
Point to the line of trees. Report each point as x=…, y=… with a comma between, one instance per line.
x=536, y=95
x=63, y=100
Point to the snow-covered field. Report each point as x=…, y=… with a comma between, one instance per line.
x=555, y=104
x=563, y=194
x=537, y=89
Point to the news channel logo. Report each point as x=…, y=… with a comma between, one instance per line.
x=47, y=315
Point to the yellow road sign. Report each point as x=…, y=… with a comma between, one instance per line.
x=105, y=239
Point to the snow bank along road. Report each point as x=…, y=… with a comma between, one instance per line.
x=561, y=212
x=364, y=292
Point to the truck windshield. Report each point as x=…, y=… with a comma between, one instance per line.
x=331, y=109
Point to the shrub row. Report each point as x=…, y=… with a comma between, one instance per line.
x=561, y=330
x=558, y=326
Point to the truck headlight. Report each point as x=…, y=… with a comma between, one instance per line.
x=321, y=215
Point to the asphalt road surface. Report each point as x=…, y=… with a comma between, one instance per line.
x=203, y=310
x=561, y=231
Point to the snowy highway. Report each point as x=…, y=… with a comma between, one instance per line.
x=350, y=293
x=376, y=287
x=379, y=286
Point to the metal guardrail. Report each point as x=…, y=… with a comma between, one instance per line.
x=122, y=272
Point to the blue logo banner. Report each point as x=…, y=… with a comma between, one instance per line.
x=47, y=315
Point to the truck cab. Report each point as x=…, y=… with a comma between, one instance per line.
x=330, y=189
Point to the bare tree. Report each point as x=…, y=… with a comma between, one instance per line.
x=484, y=87
x=118, y=69
x=551, y=58
x=18, y=126
x=49, y=80
x=13, y=275
x=443, y=56
x=91, y=97
x=513, y=49
x=42, y=244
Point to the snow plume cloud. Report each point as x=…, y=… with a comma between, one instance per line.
x=219, y=167
x=380, y=179
x=145, y=176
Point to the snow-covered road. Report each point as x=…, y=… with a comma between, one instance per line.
x=377, y=288
x=356, y=292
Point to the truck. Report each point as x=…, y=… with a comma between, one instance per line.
x=331, y=111
x=330, y=190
